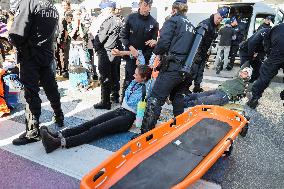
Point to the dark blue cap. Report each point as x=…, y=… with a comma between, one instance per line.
x=269, y=18
x=223, y=12
x=148, y=1
x=181, y=1
x=233, y=19
x=106, y=4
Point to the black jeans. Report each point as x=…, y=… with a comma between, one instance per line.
x=116, y=121
x=212, y=97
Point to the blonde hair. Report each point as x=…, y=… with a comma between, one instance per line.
x=181, y=8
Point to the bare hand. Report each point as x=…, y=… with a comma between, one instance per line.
x=151, y=43
x=134, y=52
x=115, y=52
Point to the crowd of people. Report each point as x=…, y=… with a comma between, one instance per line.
x=41, y=35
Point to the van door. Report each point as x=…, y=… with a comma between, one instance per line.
x=279, y=16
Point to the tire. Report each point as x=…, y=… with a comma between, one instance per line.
x=244, y=131
x=229, y=152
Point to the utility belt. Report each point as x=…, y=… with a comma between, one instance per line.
x=170, y=63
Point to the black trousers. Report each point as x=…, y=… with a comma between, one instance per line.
x=170, y=83
x=233, y=54
x=268, y=70
x=35, y=67
x=109, y=74
x=116, y=121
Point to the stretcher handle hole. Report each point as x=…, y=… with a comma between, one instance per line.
x=206, y=109
x=98, y=175
x=126, y=152
x=174, y=122
x=149, y=137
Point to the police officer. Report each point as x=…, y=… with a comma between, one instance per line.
x=266, y=23
x=176, y=38
x=106, y=40
x=211, y=34
x=253, y=51
x=235, y=43
x=32, y=33
x=139, y=32
x=271, y=65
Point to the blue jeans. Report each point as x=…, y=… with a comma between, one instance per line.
x=212, y=97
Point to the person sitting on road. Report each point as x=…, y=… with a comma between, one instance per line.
x=230, y=90
x=116, y=121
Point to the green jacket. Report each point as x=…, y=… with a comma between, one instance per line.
x=235, y=88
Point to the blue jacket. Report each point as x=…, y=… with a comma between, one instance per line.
x=133, y=93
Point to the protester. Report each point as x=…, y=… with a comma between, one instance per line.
x=230, y=90
x=115, y=121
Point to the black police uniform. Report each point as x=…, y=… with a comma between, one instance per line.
x=199, y=63
x=108, y=65
x=175, y=40
x=137, y=29
x=269, y=69
x=32, y=33
x=255, y=44
x=235, y=46
x=264, y=26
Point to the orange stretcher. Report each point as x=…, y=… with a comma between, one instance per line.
x=175, y=154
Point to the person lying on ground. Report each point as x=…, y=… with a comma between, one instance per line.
x=116, y=121
x=230, y=90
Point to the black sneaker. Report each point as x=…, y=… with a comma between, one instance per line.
x=23, y=140
x=253, y=103
x=102, y=105
x=50, y=143
x=58, y=119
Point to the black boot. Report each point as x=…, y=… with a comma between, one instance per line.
x=49, y=142
x=150, y=116
x=105, y=96
x=114, y=97
x=58, y=118
x=32, y=132
x=252, y=103
x=197, y=89
x=53, y=134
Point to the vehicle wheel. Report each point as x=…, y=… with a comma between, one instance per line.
x=229, y=151
x=244, y=131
